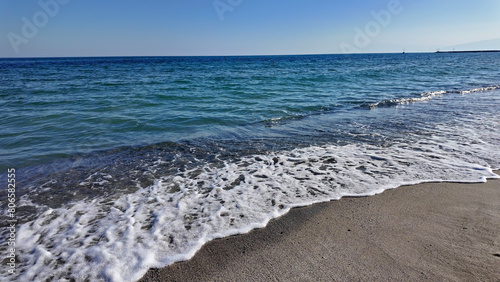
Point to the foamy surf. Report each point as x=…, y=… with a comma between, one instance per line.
x=427, y=96
x=120, y=239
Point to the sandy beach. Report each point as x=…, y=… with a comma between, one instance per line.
x=433, y=231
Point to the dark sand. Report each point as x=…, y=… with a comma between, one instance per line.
x=435, y=232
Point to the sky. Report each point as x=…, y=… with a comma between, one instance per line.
x=68, y=28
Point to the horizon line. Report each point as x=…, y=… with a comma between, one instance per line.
x=246, y=55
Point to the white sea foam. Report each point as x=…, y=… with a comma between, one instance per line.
x=120, y=239
x=426, y=96
x=480, y=89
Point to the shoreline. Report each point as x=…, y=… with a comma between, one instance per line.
x=438, y=231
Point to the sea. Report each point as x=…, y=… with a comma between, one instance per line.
x=122, y=164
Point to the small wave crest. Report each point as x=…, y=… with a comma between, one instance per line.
x=426, y=96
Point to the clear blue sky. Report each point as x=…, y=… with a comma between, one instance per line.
x=195, y=27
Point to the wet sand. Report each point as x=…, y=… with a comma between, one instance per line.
x=434, y=231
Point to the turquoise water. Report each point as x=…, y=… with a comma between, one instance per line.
x=127, y=163
x=53, y=108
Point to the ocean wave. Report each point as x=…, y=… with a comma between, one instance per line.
x=422, y=97
x=426, y=96
x=121, y=238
